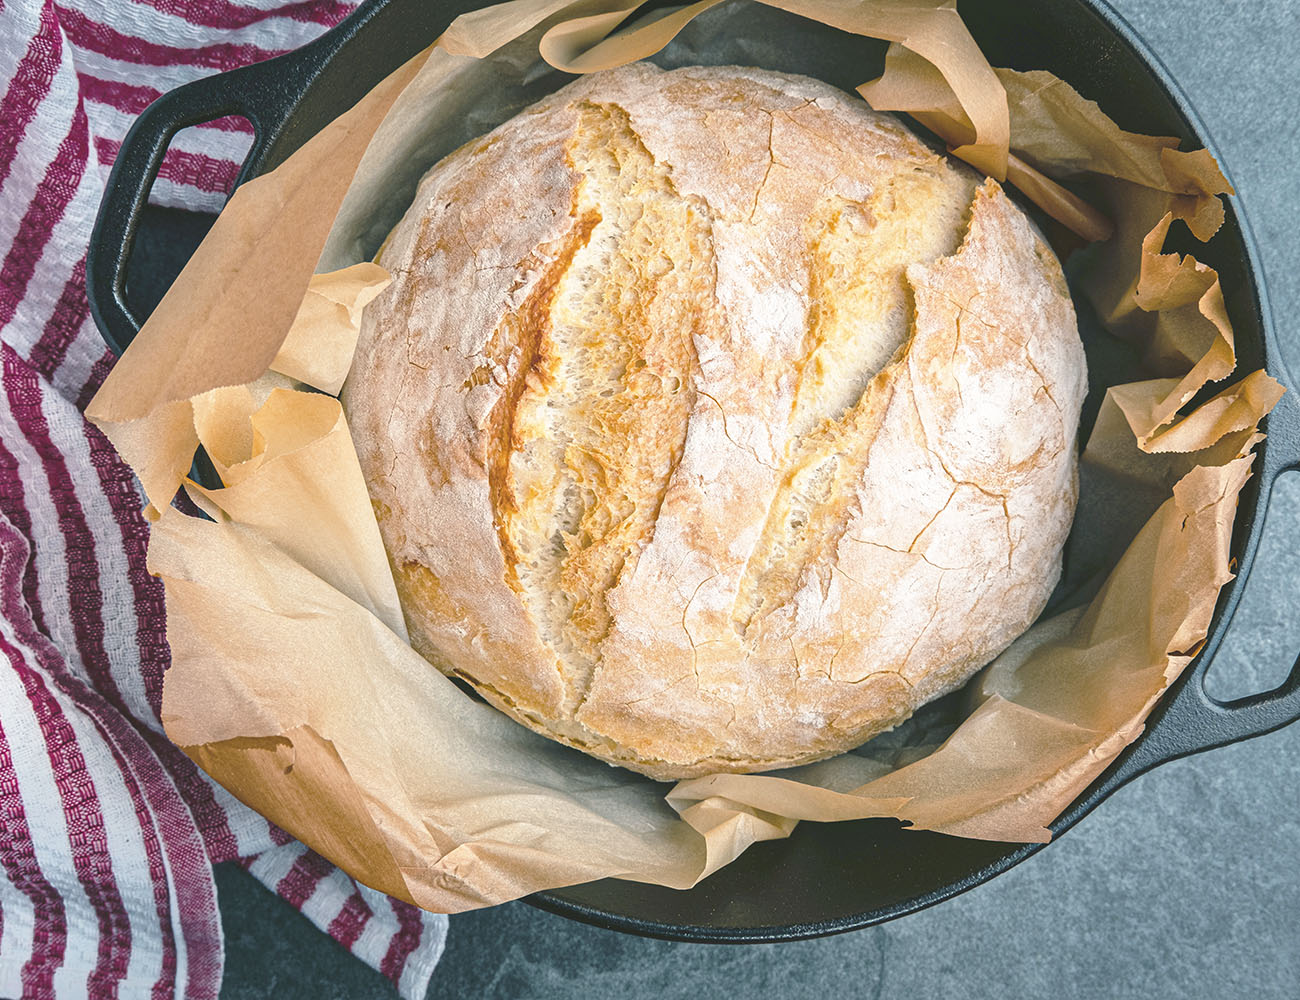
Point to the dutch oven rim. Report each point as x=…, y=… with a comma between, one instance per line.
x=272, y=96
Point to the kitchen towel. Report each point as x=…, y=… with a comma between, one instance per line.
x=108, y=834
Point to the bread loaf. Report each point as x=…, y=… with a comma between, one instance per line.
x=713, y=422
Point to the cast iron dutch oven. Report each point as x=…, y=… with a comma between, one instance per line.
x=838, y=876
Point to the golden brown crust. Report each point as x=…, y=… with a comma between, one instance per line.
x=712, y=422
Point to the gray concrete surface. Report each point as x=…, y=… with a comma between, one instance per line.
x=1186, y=883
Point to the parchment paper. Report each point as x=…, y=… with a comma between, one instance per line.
x=292, y=682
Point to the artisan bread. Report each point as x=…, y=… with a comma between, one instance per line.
x=714, y=423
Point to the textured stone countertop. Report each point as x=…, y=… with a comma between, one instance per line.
x=1185, y=883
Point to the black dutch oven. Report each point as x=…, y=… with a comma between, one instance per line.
x=838, y=876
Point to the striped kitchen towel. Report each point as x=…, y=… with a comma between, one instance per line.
x=108, y=833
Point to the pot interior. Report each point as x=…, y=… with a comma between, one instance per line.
x=828, y=878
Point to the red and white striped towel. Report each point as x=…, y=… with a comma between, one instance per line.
x=108, y=833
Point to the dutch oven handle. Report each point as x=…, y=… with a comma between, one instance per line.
x=269, y=95
x=1191, y=720
x=262, y=93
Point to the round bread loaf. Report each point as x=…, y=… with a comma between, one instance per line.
x=713, y=422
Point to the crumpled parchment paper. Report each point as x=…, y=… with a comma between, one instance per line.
x=292, y=682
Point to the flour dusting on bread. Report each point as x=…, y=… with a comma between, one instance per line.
x=713, y=422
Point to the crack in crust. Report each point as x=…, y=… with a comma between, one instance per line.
x=859, y=327
x=517, y=346
x=599, y=425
